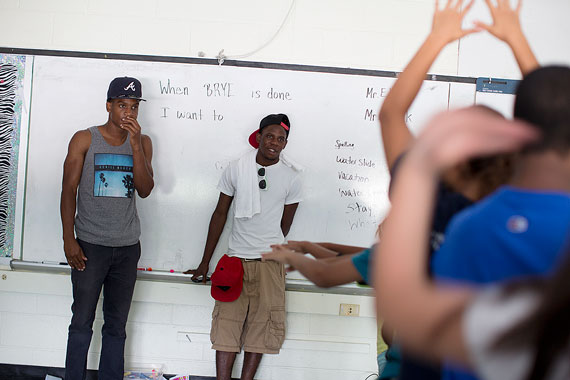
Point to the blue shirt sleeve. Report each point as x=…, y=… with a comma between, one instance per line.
x=361, y=262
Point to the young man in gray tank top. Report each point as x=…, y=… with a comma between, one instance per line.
x=103, y=168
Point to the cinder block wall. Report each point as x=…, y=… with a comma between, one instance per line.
x=169, y=325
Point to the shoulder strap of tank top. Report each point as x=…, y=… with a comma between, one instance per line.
x=95, y=134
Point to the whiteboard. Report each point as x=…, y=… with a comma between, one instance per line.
x=199, y=118
x=503, y=103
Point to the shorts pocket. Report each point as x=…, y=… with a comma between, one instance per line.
x=215, y=321
x=275, y=332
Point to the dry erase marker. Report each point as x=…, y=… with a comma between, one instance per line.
x=149, y=269
x=200, y=279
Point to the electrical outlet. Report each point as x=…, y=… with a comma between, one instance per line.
x=349, y=310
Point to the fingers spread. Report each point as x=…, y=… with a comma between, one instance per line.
x=468, y=7
x=482, y=25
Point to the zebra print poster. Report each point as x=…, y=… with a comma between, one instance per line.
x=11, y=78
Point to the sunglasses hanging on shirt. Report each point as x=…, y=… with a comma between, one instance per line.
x=262, y=180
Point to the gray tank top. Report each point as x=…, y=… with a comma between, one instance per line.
x=106, y=201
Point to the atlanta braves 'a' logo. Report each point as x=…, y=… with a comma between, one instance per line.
x=131, y=86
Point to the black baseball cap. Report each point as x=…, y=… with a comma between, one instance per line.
x=125, y=87
x=273, y=119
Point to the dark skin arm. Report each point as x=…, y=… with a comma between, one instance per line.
x=142, y=156
x=217, y=223
x=72, y=169
x=287, y=218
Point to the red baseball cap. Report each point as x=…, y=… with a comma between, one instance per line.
x=273, y=119
x=227, y=279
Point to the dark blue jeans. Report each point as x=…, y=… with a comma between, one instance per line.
x=115, y=270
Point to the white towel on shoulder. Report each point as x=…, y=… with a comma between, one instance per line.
x=247, y=196
x=290, y=163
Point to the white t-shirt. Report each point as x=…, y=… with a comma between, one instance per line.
x=490, y=316
x=252, y=236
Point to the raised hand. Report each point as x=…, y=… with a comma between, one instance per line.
x=506, y=27
x=506, y=24
x=446, y=23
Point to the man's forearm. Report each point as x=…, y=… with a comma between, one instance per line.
x=318, y=250
x=341, y=248
x=67, y=210
x=217, y=223
x=142, y=174
x=313, y=270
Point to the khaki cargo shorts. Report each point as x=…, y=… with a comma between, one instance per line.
x=256, y=320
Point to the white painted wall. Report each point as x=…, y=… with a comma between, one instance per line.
x=374, y=34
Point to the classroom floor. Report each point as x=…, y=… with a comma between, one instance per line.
x=28, y=372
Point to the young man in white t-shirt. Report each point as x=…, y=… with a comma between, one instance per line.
x=264, y=213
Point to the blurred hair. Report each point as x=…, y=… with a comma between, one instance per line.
x=490, y=172
x=546, y=329
x=543, y=99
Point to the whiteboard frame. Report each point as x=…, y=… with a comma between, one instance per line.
x=304, y=285
x=231, y=62
x=23, y=160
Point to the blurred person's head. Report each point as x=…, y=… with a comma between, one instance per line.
x=543, y=99
x=479, y=177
